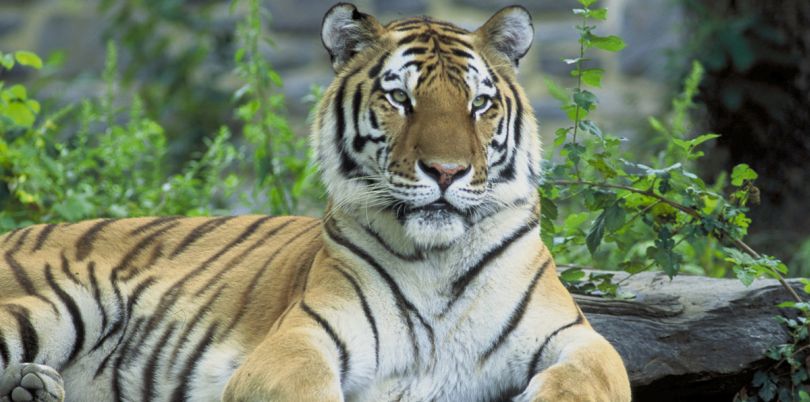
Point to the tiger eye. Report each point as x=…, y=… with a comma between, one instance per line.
x=479, y=101
x=399, y=96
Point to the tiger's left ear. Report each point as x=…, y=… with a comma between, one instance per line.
x=346, y=31
x=509, y=33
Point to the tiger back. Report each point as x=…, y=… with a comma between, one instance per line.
x=425, y=280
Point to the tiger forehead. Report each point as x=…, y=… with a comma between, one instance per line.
x=438, y=49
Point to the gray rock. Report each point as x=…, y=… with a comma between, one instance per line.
x=691, y=337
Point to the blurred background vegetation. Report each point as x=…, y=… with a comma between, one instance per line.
x=201, y=107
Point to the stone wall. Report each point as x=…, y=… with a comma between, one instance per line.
x=636, y=84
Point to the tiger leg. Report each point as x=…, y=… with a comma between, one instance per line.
x=298, y=362
x=32, y=342
x=584, y=367
x=31, y=382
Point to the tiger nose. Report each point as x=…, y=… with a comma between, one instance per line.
x=443, y=173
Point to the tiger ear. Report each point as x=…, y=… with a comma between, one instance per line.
x=509, y=33
x=346, y=31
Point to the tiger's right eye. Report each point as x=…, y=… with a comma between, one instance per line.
x=399, y=96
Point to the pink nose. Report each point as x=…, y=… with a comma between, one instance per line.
x=443, y=173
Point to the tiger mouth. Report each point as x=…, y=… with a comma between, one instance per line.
x=440, y=206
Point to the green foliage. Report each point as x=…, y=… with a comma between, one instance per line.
x=637, y=215
x=102, y=159
x=656, y=214
x=787, y=380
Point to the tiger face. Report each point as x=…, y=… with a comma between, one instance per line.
x=425, y=121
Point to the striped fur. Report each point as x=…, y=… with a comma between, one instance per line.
x=418, y=285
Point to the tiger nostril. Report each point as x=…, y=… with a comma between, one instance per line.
x=443, y=173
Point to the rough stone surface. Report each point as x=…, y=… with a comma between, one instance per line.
x=690, y=338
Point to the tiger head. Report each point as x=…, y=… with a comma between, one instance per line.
x=426, y=122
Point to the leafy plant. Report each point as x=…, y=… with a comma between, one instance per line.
x=101, y=159
x=640, y=215
x=657, y=214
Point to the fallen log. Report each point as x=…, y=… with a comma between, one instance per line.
x=690, y=338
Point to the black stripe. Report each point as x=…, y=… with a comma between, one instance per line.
x=343, y=354
x=4, y=350
x=375, y=71
x=190, y=325
x=150, y=369
x=235, y=262
x=43, y=235
x=245, y=300
x=403, y=304
x=91, y=268
x=539, y=353
x=461, y=53
x=518, y=114
x=28, y=334
x=84, y=245
x=170, y=297
x=198, y=232
x=372, y=118
x=8, y=236
x=408, y=39
x=136, y=250
x=153, y=223
x=359, y=140
x=22, y=277
x=460, y=284
x=73, y=310
x=418, y=256
x=415, y=50
x=507, y=173
x=416, y=63
x=367, y=311
x=66, y=270
x=181, y=392
x=119, y=362
x=348, y=165
x=517, y=312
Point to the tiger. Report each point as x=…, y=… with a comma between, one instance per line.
x=425, y=280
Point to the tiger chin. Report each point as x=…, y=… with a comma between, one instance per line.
x=425, y=281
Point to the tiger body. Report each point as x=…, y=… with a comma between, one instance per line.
x=425, y=281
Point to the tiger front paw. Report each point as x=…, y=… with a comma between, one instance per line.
x=31, y=382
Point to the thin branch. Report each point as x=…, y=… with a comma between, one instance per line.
x=739, y=244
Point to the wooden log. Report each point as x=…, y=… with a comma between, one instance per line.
x=690, y=338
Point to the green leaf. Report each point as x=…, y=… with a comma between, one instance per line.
x=590, y=127
x=599, y=14
x=657, y=125
x=586, y=3
x=20, y=114
x=741, y=173
x=592, y=76
x=614, y=218
x=555, y=91
x=610, y=43
x=572, y=275
x=7, y=61
x=595, y=233
x=27, y=58
x=585, y=99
